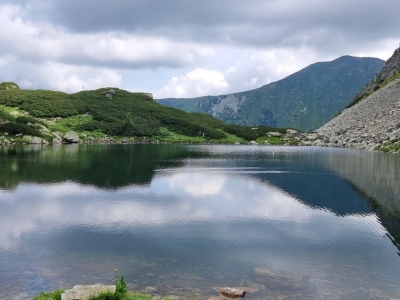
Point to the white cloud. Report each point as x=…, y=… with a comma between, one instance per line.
x=253, y=69
x=199, y=82
x=59, y=76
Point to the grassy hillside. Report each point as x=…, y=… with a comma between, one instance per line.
x=112, y=112
x=305, y=100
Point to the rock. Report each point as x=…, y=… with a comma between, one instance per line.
x=27, y=138
x=236, y=143
x=277, y=134
x=260, y=271
x=36, y=140
x=253, y=143
x=292, y=133
x=85, y=292
x=56, y=141
x=71, y=137
x=42, y=128
x=150, y=290
x=229, y=292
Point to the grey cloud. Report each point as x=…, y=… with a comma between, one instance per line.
x=254, y=23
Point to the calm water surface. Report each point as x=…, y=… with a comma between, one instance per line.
x=294, y=222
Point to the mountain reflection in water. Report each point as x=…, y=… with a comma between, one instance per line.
x=185, y=218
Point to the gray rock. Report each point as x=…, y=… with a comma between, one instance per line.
x=27, y=138
x=71, y=137
x=36, y=140
x=292, y=133
x=42, y=128
x=277, y=134
x=85, y=292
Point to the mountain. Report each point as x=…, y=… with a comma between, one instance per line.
x=372, y=121
x=304, y=100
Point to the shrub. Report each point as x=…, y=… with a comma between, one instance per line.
x=26, y=120
x=18, y=128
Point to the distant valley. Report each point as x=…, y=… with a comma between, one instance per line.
x=304, y=100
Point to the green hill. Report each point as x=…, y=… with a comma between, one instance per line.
x=109, y=112
x=112, y=111
x=305, y=100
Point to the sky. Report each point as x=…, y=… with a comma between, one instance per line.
x=183, y=48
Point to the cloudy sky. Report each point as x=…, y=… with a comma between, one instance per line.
x=183, y=48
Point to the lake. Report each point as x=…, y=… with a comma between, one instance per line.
x=285, y=222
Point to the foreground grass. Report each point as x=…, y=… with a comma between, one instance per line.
x=121, y=293
x=56, y=295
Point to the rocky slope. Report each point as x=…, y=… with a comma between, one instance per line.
x=389, y=70
x=304, y=100
x=371, y=123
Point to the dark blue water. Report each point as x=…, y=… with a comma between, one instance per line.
x=301, y=223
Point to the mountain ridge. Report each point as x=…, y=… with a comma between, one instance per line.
x=305, y=99
x=373, y=121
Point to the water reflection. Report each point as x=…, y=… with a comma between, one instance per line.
x=105, y=166
x=209, y=213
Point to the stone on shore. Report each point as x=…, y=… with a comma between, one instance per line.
x=85, y=292
x=71, y=137
x=229, y=292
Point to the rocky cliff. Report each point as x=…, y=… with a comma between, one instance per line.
x=373, y=122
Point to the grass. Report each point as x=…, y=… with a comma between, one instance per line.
x=273, y=140
x=55, y=295
x=70, y=123
x=127, y=296
x=231, y=139
x=391, y=146
x=121, y=293
x=172, y=137
x=9, y=109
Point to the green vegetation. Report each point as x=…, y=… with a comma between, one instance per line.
x=111, y=112
x=18, y=129
x=121, y=293
x=252, y=133
x=55, y=295
x=390, y=146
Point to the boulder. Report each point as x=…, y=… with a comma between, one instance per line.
x=292, y=133
x=71, y=137
x=276, y=134
x=56, y=141
x=85, y=292
x=42, y=128
x=27, y=138
x=229, y=292
x=36, y=140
